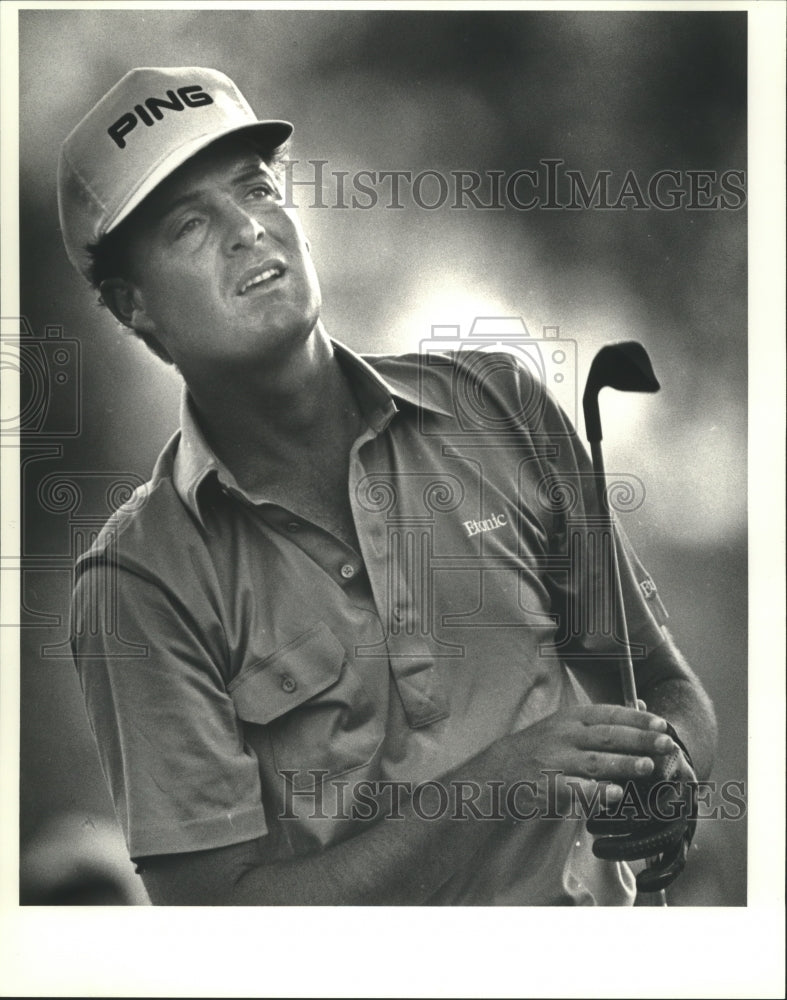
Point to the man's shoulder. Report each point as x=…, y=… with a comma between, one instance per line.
x=452, y=380
x=437, y=374
x=411, y=364
x=146, y=524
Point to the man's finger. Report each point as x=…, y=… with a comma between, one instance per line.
x=624, y=739
x=602, y=766
x=620, y=715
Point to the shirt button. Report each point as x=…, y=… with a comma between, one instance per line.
x=293, y=526
x=288, y=685
x=347, y=571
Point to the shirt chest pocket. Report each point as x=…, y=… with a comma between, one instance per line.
x=313, y=705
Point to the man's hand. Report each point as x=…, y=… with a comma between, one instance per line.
x=591, y=745
x=665, y=830
x=655, y=818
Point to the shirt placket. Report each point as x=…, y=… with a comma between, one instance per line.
x=334, y=557
x=395, y=547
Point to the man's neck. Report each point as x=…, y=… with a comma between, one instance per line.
x=264, y=425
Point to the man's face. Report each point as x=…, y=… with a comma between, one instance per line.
x=221, y=269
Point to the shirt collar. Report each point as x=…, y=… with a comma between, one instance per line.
x=377, y=395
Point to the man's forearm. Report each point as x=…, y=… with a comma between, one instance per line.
x=399, y=861
x=671, y=689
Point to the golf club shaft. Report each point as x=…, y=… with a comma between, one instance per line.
x=626, y=666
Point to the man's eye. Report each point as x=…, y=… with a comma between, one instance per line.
x=260, y=191
x=188, y=227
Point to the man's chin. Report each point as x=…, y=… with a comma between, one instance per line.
x=275, y=337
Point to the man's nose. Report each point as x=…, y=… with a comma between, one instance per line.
x=244, y=230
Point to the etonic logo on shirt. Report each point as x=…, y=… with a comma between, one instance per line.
x=648, y=588
x=488, y=524
x=152, y=110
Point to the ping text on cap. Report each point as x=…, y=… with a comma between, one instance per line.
x=192, y=96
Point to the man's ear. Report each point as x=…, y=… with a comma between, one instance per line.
x=125, y=302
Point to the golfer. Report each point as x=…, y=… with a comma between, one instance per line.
x=348, y=597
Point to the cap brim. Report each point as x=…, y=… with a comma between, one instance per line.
x=274, y=132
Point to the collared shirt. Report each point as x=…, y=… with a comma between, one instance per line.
x=248, y=674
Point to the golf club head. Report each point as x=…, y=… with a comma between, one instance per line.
x=624, y=366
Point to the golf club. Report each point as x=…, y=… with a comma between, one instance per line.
x=624, y=366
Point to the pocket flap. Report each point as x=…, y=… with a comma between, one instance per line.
x=300, y=670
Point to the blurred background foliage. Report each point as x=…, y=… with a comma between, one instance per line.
x=448, y=90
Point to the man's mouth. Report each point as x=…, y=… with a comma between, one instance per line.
x=263, y=275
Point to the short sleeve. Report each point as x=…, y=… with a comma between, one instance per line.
x=644, y=607
x=170, y=744
x=579, y=574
